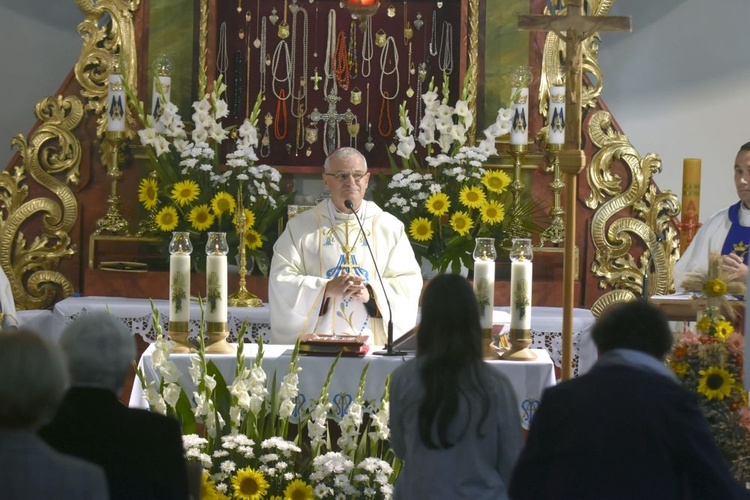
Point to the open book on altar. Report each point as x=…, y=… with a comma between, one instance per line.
x=331, y=345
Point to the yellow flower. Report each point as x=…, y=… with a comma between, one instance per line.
x=253, y=239
x=249, y=484
x=471, y=196
x=461, y=223
x=201, y=218
x=680, y=368
x=496, y=180
x=184, y=192
x=704, y=324
x=208, y=489
x=299, y=490
x=724, y=329
x=438, y=204
x=420, y=229
x=492, y=212
x=223, y=202
x=167, y=219
x=715, y=383
x=147, y=192
x=715, y=288
x=249, y=218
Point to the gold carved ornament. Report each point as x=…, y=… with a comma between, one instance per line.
x=612, y=233
x=52, y=150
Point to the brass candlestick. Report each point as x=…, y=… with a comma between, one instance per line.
x=517, y=152
x=555, y=233
x=112, y=158
x=242, y=297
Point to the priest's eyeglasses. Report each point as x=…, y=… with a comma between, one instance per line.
x=343, y=176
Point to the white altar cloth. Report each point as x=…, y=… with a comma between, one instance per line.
x=529, y=378
x=546, y=324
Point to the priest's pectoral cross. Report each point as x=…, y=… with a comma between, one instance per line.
x=574, y=28
x=331, y=120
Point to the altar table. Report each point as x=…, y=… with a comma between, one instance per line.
x=546, y=324
x=529, y=378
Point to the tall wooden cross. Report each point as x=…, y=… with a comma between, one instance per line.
x=574, y=28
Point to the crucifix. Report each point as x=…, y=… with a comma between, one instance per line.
x=316, y=78
x=574, y=28
x=331, y=121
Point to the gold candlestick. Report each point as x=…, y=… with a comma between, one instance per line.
x=517, y=152
x=112, y=158
x=242, y=297
x=555, y=233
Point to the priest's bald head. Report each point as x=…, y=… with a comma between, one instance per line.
x=742, y=174
x=346, y=177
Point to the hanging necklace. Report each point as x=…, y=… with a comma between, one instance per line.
x=369, y=144
x=328, y=65
x=283, y=26
x=256, y=42
x=352, y=52
x=433, y=35
x=263, y=56
x=408, y=31
x=300, y=108
x=277, y=56
x=341, y=62
x=367, y=48
x=222, y=57
x=265, y=142
x=409, y=90
x=385, y=107
x=445, y=59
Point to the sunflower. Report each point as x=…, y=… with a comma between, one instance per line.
x=249, y=218
x=184, y=192
x=249, y=484
x=299, y=490
x=704, y=324
x=223, y=202
x=253, y=239
x=147, y=192
x=492, y=212
x=167, y=219
x=715, y=287
x=715, y=383
x=723, y=329
x=420, y=229
x=208, y=489
x=200, y=217
x=438, y=204
x=496, y=180
x=680, y=368
x=471, y=196
x=461, y=223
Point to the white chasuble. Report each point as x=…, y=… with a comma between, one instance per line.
x=322, y=243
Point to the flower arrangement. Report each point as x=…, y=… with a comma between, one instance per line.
x=240, y=432
x=709, y=362
x=192, y=189
x=450, y=199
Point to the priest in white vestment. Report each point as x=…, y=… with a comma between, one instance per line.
x=323, y=279
x=727, y=232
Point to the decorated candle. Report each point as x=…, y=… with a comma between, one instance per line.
x=216, y=278
x=691, y=194
x=116, y=102
x=519, y=130
x=557, y=115
x=162, y=84
x=179, y=279
x=521, y=254
x=484, y=279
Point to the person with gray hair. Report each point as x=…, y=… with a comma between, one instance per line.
x=141, y=452
x=33, y=380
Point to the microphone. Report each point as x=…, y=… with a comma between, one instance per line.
x=389, y=345
x=647, y=271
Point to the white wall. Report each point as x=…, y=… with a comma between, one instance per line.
x=679, y=85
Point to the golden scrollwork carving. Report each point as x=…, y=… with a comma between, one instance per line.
x=103, y=45
x=51, y=151
x=648, y=218
x=473, y=62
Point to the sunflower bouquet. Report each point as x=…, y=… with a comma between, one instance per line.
x=195, y=183
x=441, y=191
x=709, y=362
x=240, y=432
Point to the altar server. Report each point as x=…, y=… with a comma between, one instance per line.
x=141, y=452
x=323, y=279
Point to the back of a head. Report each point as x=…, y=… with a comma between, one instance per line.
x=33, y=379
x=636, y=325
x=449, y=325
x=99, y=349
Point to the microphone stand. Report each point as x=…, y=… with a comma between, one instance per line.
x=388, y=351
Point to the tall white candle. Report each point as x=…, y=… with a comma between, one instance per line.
x=520, y=295
x=179, y=287
x=163, y=83
x=556, y=115
x=216, y=289
x=519, y=131
x=484, y=289
x=116, y=102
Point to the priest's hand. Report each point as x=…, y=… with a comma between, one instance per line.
x=347, y=285
x=732, y=263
